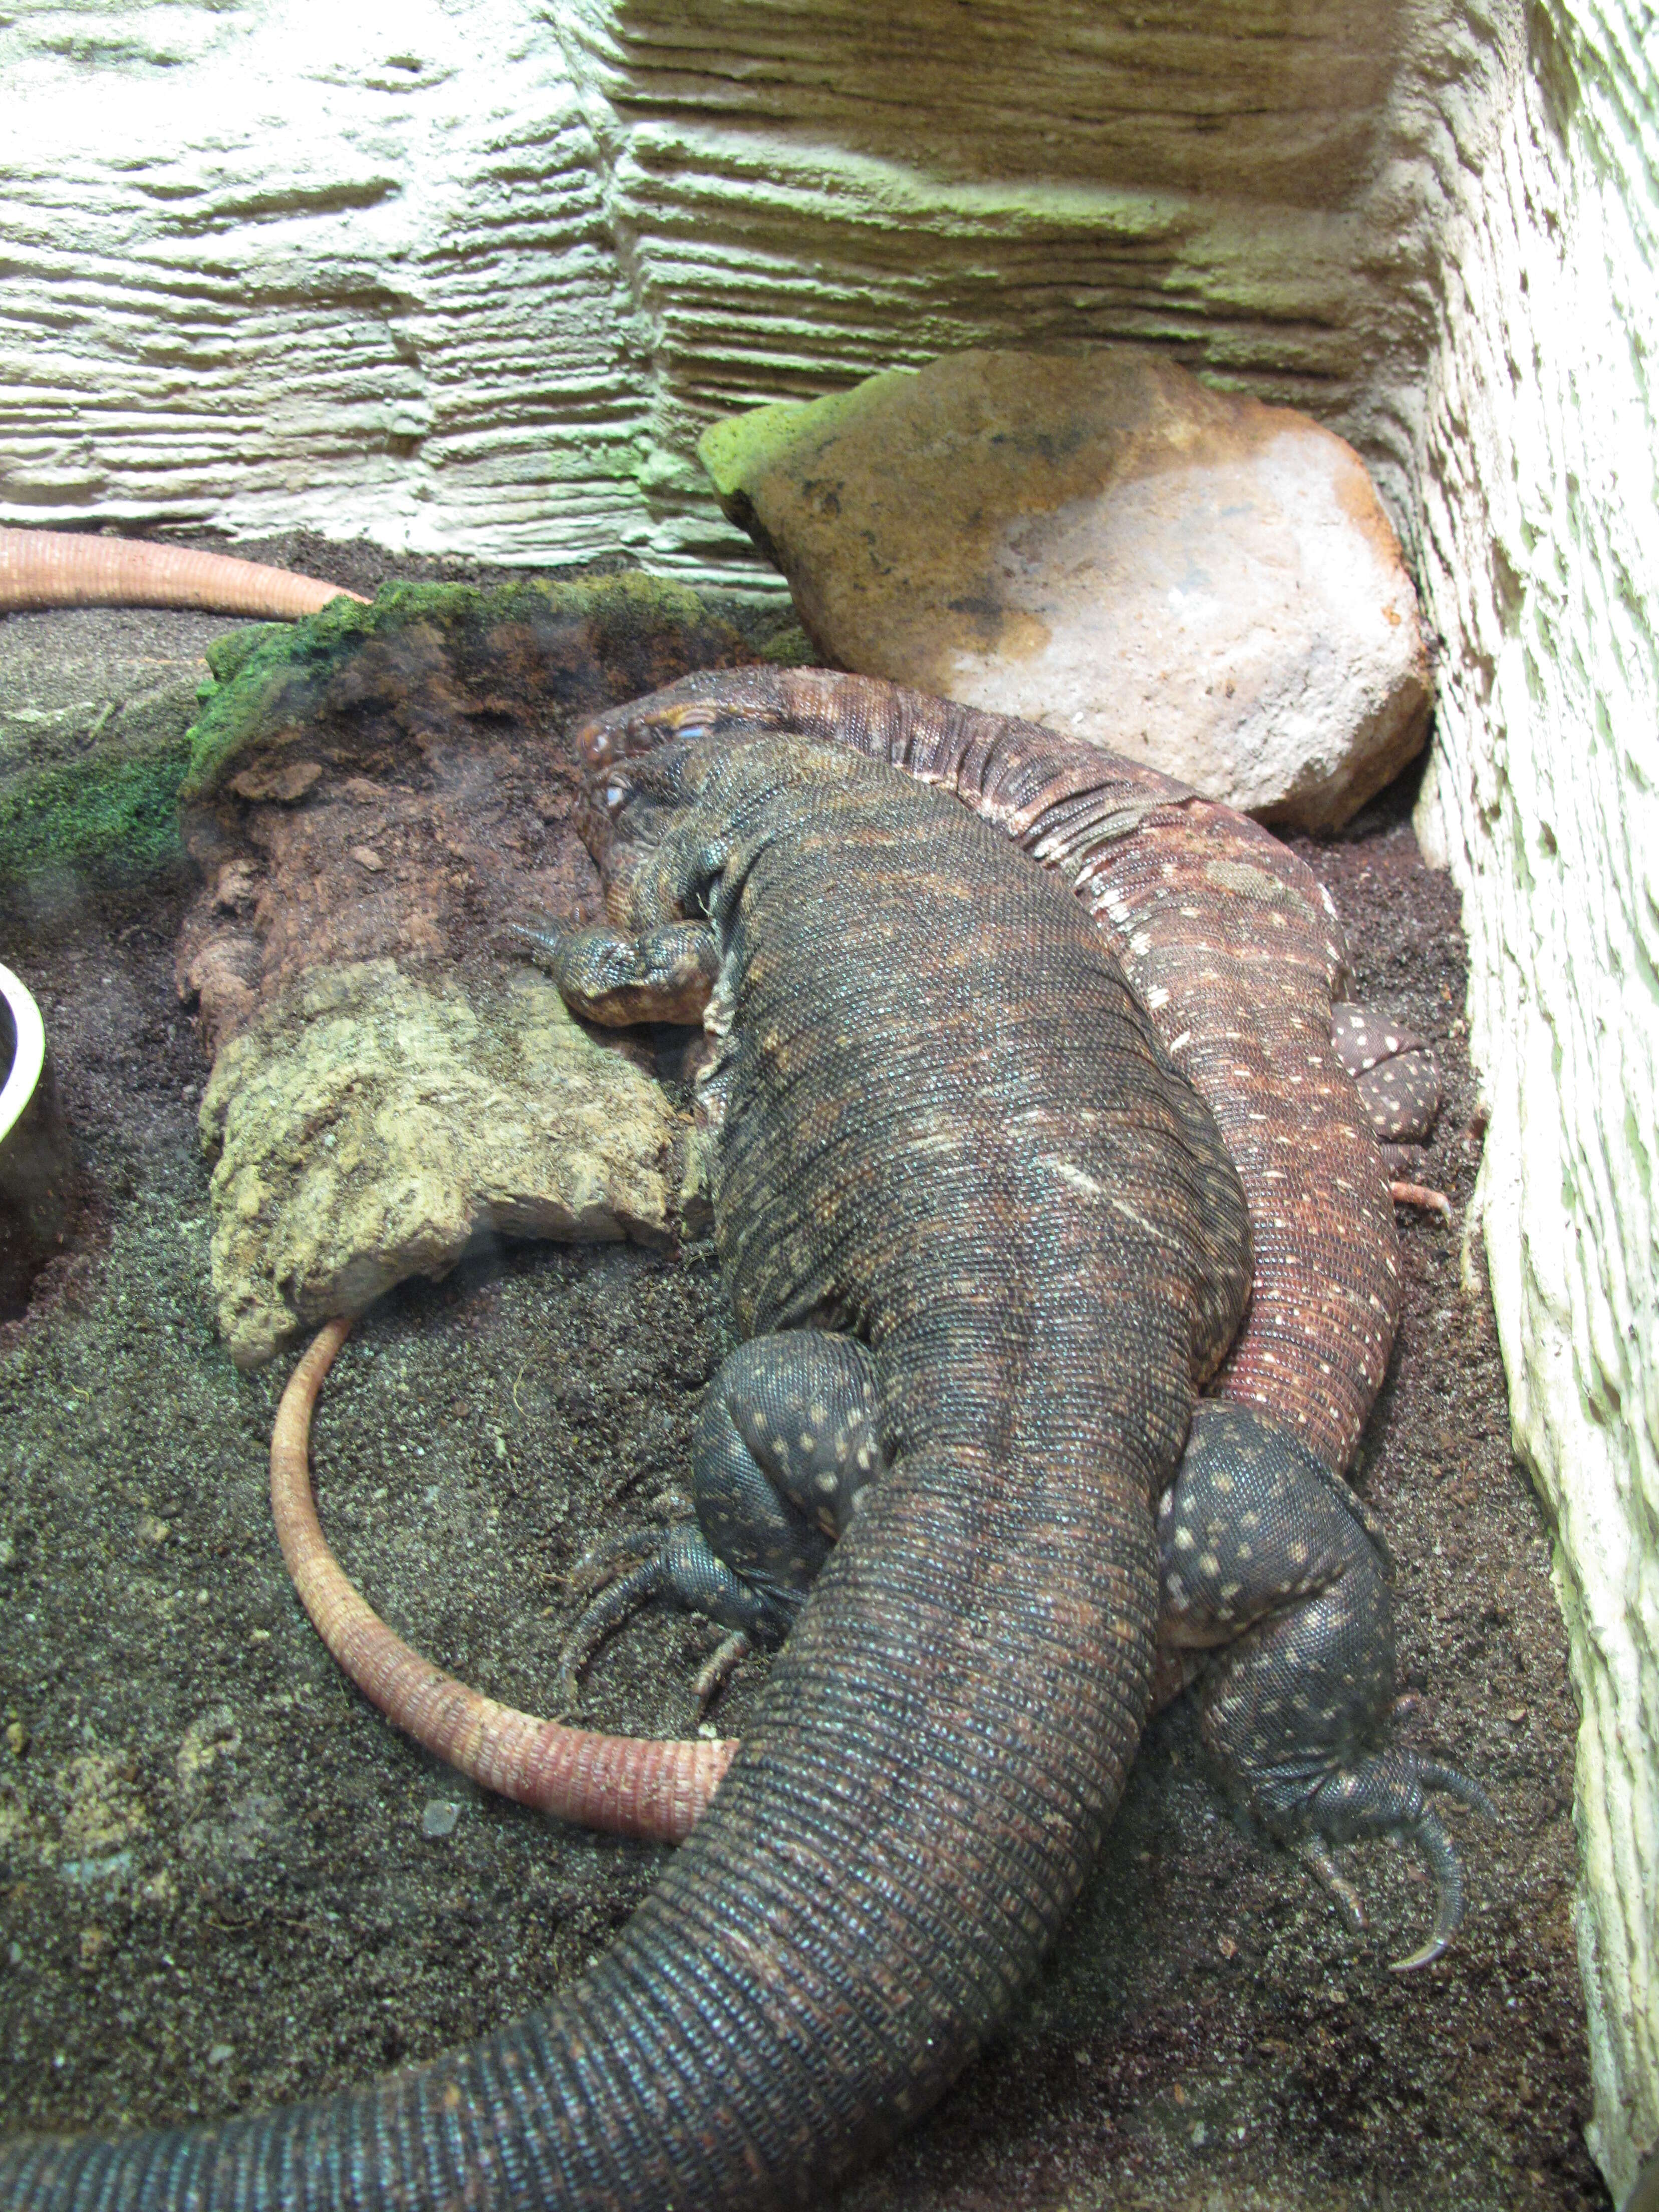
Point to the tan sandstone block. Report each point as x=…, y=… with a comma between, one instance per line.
x=1093, y=539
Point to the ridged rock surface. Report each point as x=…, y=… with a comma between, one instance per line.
x=1092, y=540
x=1541, y=566
x=478, y=283
x=474, y=281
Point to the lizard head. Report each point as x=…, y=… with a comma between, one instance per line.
x=709, y=702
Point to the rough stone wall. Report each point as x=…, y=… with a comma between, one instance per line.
x=471, y=275
x=1540, y=562
x=284, y=261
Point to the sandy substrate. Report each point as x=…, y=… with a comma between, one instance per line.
x=217, y=1888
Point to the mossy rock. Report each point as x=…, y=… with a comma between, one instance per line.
x=95, y=742
x=103, y=797
x=109, y=812
x=428, y=659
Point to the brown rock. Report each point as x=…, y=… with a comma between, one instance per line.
x=284, y=784
x=1093, y=539
x=386, y=1086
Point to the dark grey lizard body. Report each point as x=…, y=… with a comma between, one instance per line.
x=1270, y=1562
x=943, y=1124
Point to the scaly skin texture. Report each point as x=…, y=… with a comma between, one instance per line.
x=1229, y=941
x=1237, y=950
x=1044, y=1250
x=1234, y=949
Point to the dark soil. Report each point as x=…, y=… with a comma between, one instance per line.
x=215, y=1884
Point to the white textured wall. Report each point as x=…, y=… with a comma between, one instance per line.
x=308, y=261
x=470, y=276
x=1540, y=522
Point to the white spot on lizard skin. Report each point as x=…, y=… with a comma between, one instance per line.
x=1077, y=1179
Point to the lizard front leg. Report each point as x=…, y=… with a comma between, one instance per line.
x=612, y=977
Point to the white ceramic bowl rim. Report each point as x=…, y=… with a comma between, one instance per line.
x=29, y=1055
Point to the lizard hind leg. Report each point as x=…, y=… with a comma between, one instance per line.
x=1394, y=1071
x=1268, y=1556
x=1398, y=1081
x=784, y=1444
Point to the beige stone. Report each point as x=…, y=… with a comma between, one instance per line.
x=371, y=1124
x=1094, y=540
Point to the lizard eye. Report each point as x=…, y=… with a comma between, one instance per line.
x=615, y=795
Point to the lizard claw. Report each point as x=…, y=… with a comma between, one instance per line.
x=1444, y=1863
x=1421, y=1195
x=1432, y=1841
x=1384, y=1797
x=601, y=1566
x=1317, y=1854
x=676, y=1564
x=527, y=941
x=721, y=1664
x=621, y=1591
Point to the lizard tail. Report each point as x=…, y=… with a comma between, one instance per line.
x=64, y=569
x=628, y=1786
x=905, y=1826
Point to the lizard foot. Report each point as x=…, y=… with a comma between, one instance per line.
x=610, y=977
x=1385, y=1796
x=1394, y=1071
x=1272, y=1565
x=784, y=1444
x=645, y=1564
x=1399, y=1085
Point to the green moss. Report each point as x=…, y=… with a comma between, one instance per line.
x=116, y=808
x=227, y=656
x=252, y=683
x=107, y=802
x=789, y=647
x=742, y=449
x=534, y=651
x=111, y=812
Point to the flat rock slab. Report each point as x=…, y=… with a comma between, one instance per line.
x=371, y=1125
x=1093, y=539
